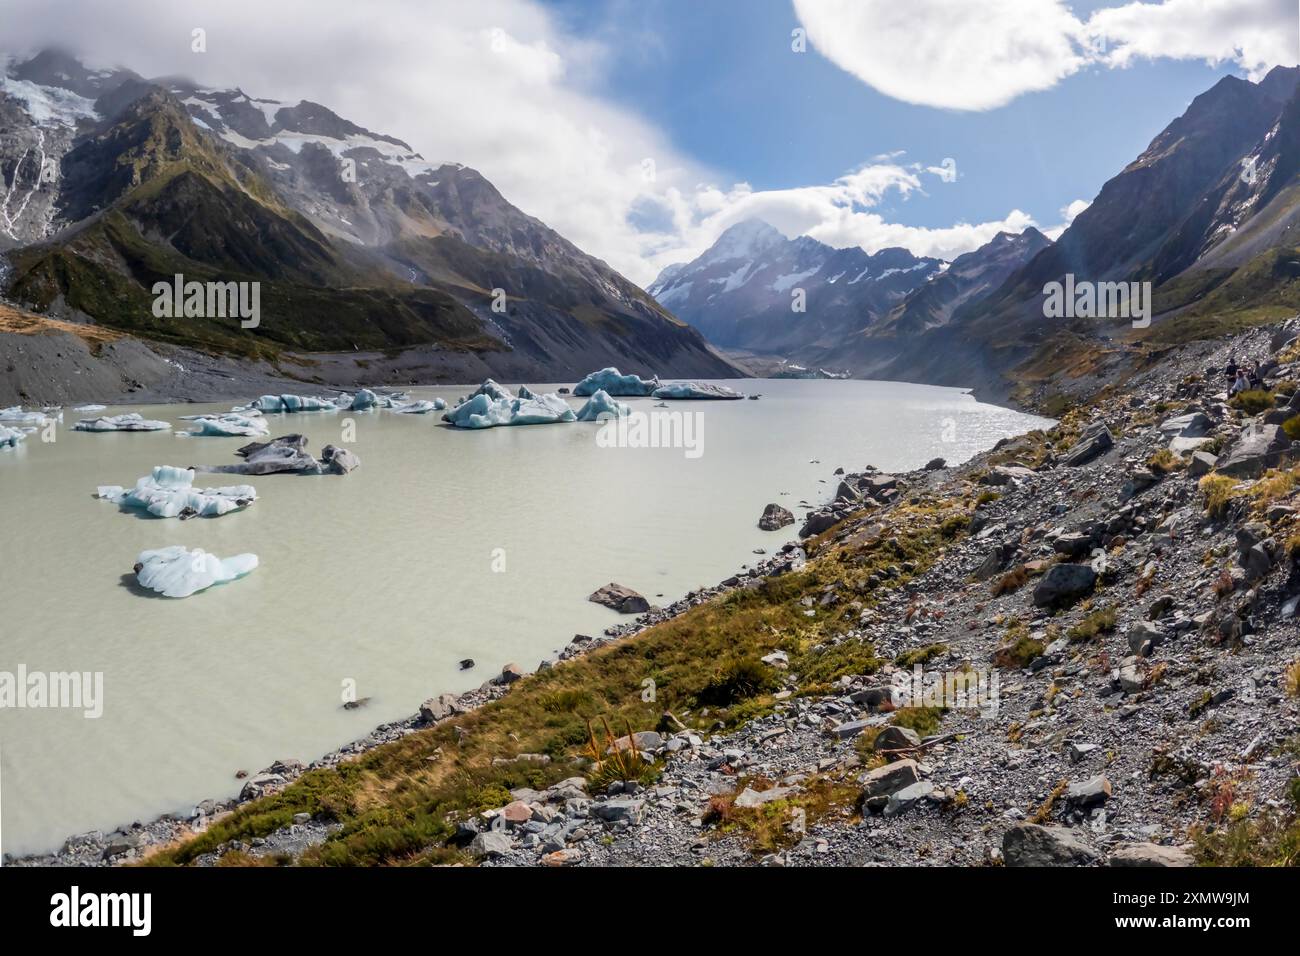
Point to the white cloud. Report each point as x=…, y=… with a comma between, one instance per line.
x=839, y=214
x=947, y=53
x=955, y=54
x=1067, y=216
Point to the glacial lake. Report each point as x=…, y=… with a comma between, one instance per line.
x=444, y=544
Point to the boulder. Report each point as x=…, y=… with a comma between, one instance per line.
x=889, y=779
x=1191, y=425
x=894, y=738
x=935, y=464
x=1092, y=792
x=1063, y=584
x=1259, y=448
x=1028, y=844
x=775, y=518
x=1094, y=441
x=1150, y=855
x=620, y=598
x=490, y=843
x=909, y=796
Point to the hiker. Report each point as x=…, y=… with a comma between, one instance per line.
x=1242, y=383
x=1230, y=373
x=1255, y=376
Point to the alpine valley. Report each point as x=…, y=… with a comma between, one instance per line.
x=374, y=263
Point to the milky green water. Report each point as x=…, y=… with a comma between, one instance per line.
x=386, y=577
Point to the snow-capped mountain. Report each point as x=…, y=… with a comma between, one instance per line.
x=108, y=180
x=755, y=289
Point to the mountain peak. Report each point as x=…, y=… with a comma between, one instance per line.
x=745, y=240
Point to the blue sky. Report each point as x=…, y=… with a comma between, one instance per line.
x=720, y=79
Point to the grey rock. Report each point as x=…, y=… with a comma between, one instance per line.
x=1028, y=844
x=775, y=518
x=1063, y=584
x=620, y=598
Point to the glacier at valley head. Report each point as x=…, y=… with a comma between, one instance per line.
x=600, y=407
x=177, y=572
x=610, y=381
x=169, y=492
x=132, y=422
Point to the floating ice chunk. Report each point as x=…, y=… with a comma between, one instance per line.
x=169, y=492
x=420, y=408
x=489, y=388
x=696, y=390
x=293, y=403
x=287, y=453
x=601, y=406
x=230, y=425
x=526, y=392
x=483, y=411
x=120, y=423
x=90, y=408
x=363, y=400
x=612, y=382
x=16, y=416
x=10, y=437
x=177, y=572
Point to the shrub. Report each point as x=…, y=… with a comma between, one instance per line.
x=1217, y=490
x=1018, y=654
x=1098, y=622
x=1292, y=428
x=737, y=681
x=1253, y=401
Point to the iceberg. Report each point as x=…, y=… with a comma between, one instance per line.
x=600, y=406
x=363, y=400
x=293, y=403
x=177, y=572
x=10, y=437
x=90, y=408
x=120, y=423
x=169, y=492
x=228, y=426
x=16, y=416
x=420, y=408
x=285, y=454
x=609, y=380
x=696, y=390
x=489, y=388
x=484, y=411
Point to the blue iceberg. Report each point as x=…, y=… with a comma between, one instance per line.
x=696, y=390
x=16, y=416
x=231, y=425
x=10, y=437
x=609, y=380
x=169, y=492
x=120, y=423
x=483, y=411
x=177, y=572
x=420, y=408
x=293, y=403
x=600, y=407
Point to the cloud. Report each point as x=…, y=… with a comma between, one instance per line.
x=948, y=53
x=840, y=214
x=954, y=54
x=1067, y=216
x=505, y=87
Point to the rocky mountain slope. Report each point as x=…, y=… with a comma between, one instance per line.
x=112, y=183
x=1118, y=597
